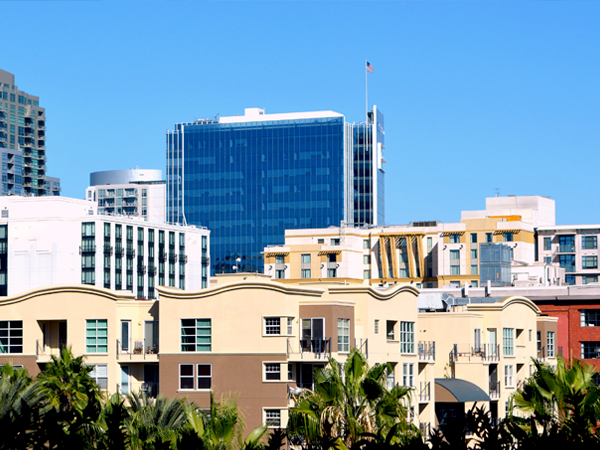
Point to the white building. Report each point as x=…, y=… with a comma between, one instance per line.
x=132, y=193
x=55, y=240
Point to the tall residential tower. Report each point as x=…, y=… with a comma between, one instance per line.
x=23, y=142
x=249, y=178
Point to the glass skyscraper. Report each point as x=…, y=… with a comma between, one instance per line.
x=249, y=178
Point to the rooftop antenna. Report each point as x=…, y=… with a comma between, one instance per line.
x=497, y=192
x=217, y=117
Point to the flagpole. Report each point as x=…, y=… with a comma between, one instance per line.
x=366, y=95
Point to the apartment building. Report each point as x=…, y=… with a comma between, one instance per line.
x=56, y=240
x=489, y=341
x=574, y=248
x=132, y=193
x=23, y=142
x=430, y=254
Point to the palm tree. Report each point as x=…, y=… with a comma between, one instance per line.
x=155, y=423
x=20, y=402
x=564, y=398
x=349, y=404
x=72, y=402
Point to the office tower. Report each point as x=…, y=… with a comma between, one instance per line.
x=132, y=193
x=23, y=142
x=249, y=178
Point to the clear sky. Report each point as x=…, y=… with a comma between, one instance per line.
x=477, y=96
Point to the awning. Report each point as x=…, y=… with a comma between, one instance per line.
x=448, y=233
x=454, y=390
x=276, y=253
x=513, y=231
x=329, y=252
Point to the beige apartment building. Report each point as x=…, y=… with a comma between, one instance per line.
x=259, y=340
x=430, y=254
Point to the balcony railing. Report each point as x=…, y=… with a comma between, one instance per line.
x=49, y=347
x=424, y=391
x=485, y=352
x=320, y=347
x=133, y=347
x=425, y=429
x=426, y=350
x=494, y=390
x=566, y=248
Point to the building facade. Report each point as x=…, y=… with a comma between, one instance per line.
x=132, y=193
x=574, y=248
x=249, y=178
x=47, y=241
x=23, y=142
x=431, y=254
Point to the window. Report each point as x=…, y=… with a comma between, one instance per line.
x=376, y=326
x=589, y=242
x=454, y=270
x=366, y=243
x=11, y=336
x=586, y=279
x=474, y=283
x=473, y=269
x=567, y=262
x=429, y=242
x=547, y=243
x=590, y=317
x=279, y=274
x=407, y=337
x=474, y=253
x=196, y=335
x=306, y=258
x=508, y=376
x=473, y=238
x=272, y=325
x=454, y=254
x=507, y=237
x=335, y=241
x=186, y=376
x=566, y=244
x=290, y=326
x=100, y=375
x=455, y=238
x=204, y=376
x=570, y=279
x=550, y=344
x=589, y=262
x=273, y=418
x=279, y=259
x=272, y=371
x=590, y=350
x=488, y=237
x=390, y=329
x=366, y=259
x=305, y=273
x=408, y=374
x=367, y=274
x=343, y=335
x=391, y=375
x=508, y=341
x=320, y=241
x=547, y=259
x=96, y=336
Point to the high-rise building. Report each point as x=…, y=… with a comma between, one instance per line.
x=132, y=193
x=23, y=142
x=249, y=178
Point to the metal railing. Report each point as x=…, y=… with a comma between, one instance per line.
x=140, y=347
x=363, y=347
x=426, y=350
x=486, y=352
x=320, y=347
x=48, y=347
x=494, y=390
x=425, y=429
x=424, y=391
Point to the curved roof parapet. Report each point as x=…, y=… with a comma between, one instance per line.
x=503, y=303
x=455, y=390
x=67, y=288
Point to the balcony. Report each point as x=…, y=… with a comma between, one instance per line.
x=137, y=350
x=46, y=348
x=424, y=392
x=426, y=351
x=566, y=248
x=309, y=349
x=87, y=248
x=494, y=390
x=469, y=353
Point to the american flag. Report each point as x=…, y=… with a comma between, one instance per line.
x=369, y=67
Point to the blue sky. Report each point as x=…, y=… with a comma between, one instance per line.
x=477, y=96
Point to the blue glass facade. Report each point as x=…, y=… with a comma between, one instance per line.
x=249, y=180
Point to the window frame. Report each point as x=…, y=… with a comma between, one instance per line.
x=272, y=372
x=101, y=381
x=9, y=338
x=343, y=335
x=97, y=346
x=407, y=337
x=508, y=342
x=207, y=346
